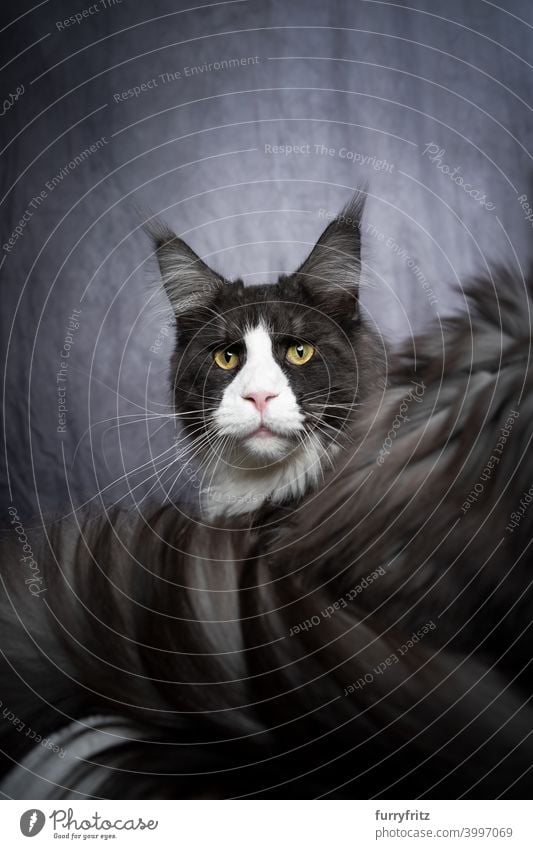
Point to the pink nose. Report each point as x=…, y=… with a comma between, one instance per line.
x=260, y=399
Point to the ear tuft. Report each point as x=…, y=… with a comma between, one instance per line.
x=331, y=273
x=187, y=280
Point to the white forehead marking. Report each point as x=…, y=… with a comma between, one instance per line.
x=260, y=371
x=258, y=344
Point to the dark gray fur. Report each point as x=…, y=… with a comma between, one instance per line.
x=192, y=638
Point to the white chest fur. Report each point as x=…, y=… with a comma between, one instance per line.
x=234, y=491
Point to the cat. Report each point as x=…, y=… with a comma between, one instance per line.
x=374, y=641
x=267, y=378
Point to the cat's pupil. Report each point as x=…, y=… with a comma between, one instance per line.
x=300, y=350
x=228, y=353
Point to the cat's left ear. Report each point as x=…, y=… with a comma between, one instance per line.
x=331, y=273
x=187, y=280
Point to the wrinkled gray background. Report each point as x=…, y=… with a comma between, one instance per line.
x=375, y=78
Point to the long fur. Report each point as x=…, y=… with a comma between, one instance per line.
x=259, y=661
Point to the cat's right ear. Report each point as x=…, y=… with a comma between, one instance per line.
x=331, y=274
x=188, y=282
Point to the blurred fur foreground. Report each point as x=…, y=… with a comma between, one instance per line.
x=374, y=641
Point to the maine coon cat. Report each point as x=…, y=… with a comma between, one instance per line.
x=267, y=378
x=376, y=641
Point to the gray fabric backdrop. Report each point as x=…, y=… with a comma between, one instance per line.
x=132, y=108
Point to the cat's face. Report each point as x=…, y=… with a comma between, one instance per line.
x=266, y=371
x=266, y=378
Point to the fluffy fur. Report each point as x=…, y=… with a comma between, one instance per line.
x=297, y=659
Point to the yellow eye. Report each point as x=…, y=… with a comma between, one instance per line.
x=300, y=353
x=226, y=358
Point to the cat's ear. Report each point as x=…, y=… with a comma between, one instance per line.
x=331, y=273
x=187, y=280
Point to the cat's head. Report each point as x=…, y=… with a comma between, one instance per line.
x=266, y=378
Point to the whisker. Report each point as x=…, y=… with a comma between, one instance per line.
x=196, y=447
x=321, y=392
x=220, y=448
x=327, y=415
x=131, y=490
x=118, y=394
x=136, y=419
x=333, y=405
x=319, y=425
